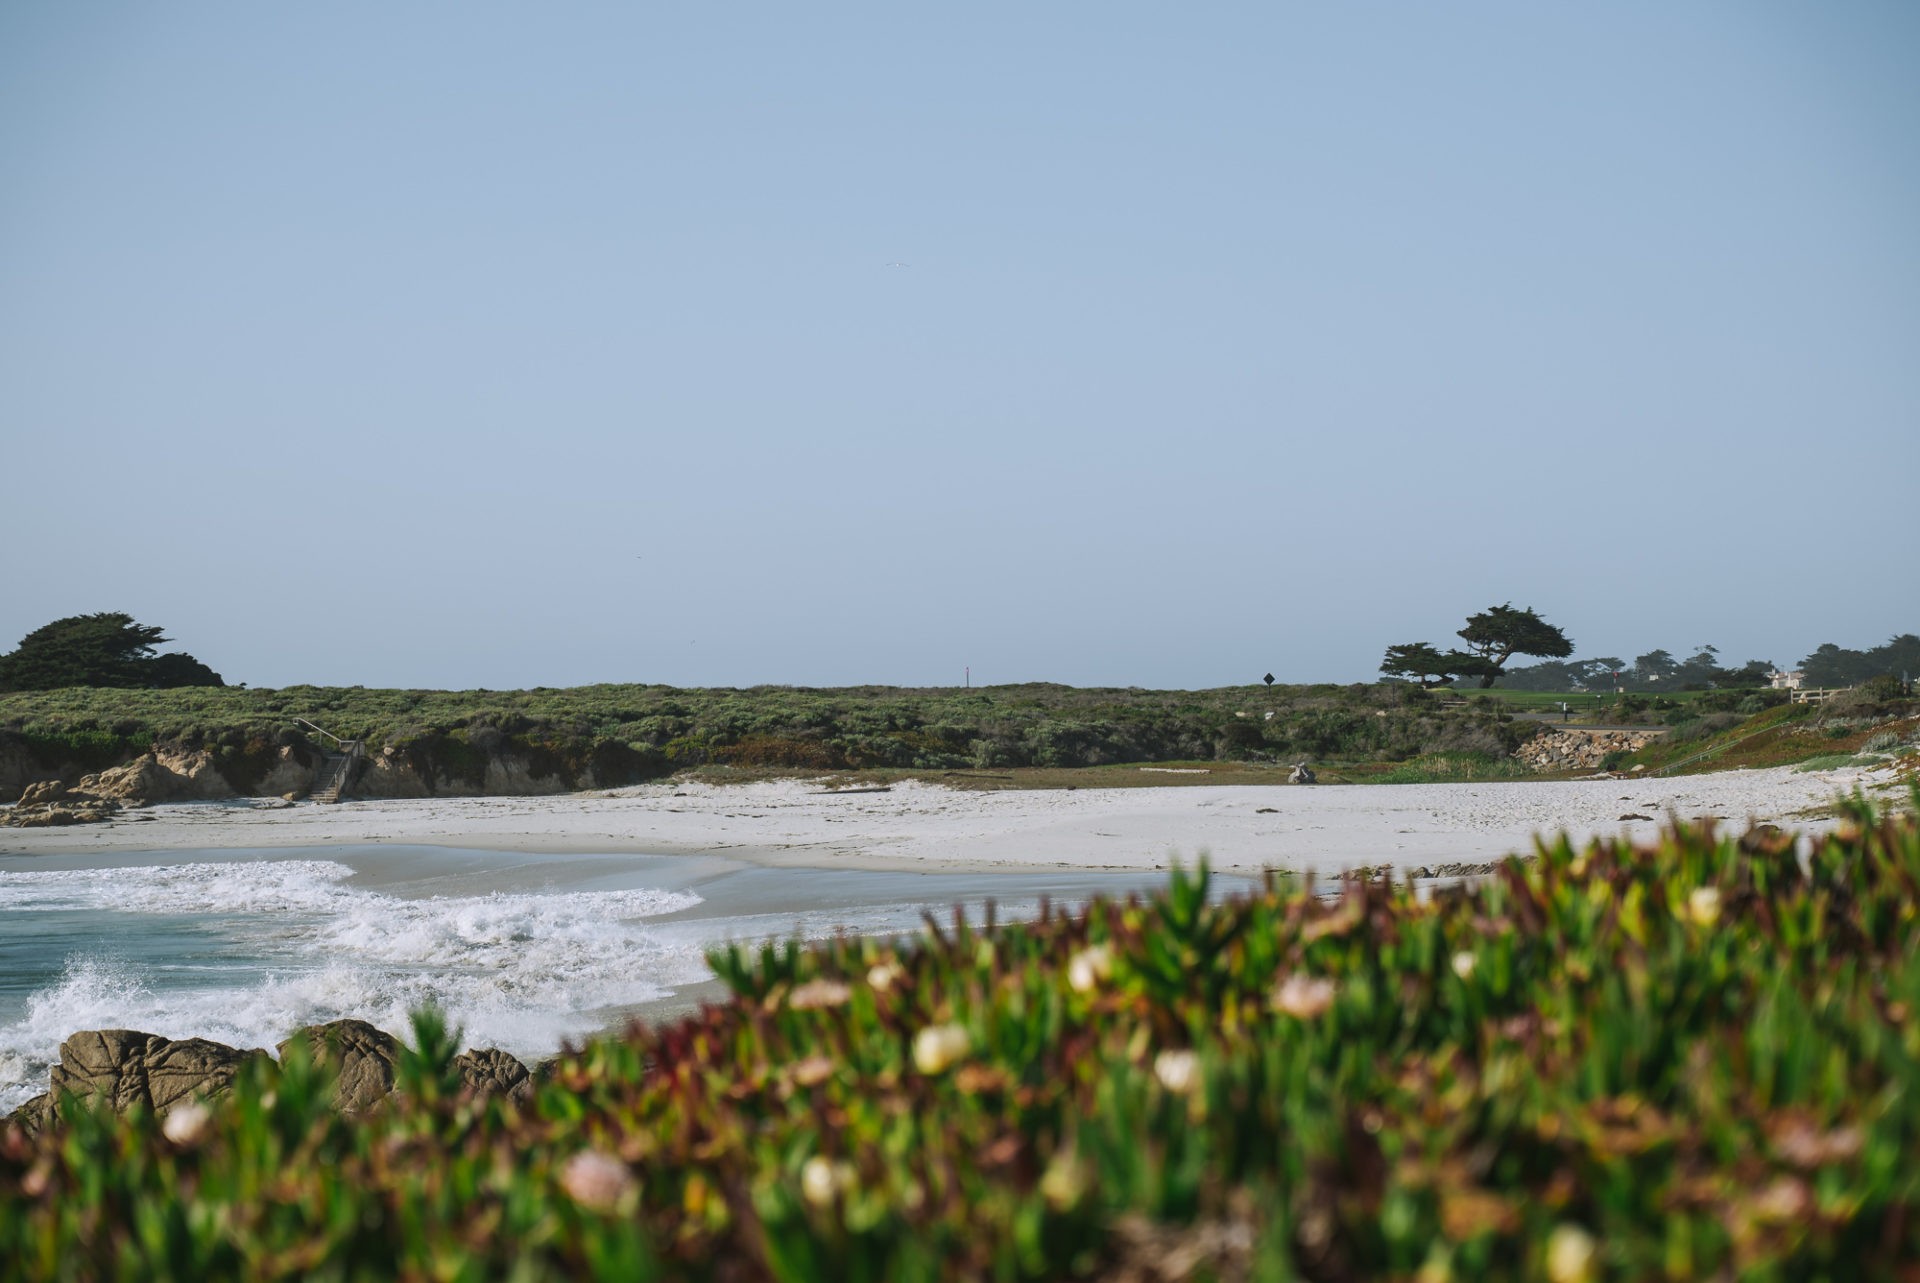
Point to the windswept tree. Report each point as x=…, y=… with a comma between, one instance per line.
x=107, y=649
x=1420, y=662
x=1498, y=633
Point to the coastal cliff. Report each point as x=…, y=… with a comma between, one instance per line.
x=62, y=791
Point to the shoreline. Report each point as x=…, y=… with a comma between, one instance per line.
x=913, y=826
x=767, y=857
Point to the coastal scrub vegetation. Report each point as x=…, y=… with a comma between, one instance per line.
x=1691, y=1058
x=611, y=735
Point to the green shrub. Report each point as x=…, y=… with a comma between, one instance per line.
x=1700, y=728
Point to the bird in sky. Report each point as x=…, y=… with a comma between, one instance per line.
x=899, y=264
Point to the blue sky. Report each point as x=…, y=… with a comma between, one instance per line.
x=503, y=345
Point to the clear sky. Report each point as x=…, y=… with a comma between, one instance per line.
x=506, y=345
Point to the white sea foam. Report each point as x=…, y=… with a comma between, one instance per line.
x=292, y=944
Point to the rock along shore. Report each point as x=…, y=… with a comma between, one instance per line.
x=127, y=1069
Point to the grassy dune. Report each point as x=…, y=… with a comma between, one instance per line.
x=1694, y=1058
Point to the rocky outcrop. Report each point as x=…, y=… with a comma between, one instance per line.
x=125, y=1068
x=164, y=775
x=492, y=1072
x=291, y=775
x=1576, y=750
x=19, y=770
x=159, y=776
x=33, y=1116
x=481, y=762
x=361, y=1057
x=395, y=773
x=47, y=815
x=42, y=793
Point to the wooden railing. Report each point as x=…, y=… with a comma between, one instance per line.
x=336, y=772
x=344, y=744
x=1816, y=695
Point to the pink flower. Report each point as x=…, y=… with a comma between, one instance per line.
x=1303, y=997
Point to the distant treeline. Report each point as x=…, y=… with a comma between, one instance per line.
x=1829, y=666
x=627, y=733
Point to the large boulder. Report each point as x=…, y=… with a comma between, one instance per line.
x=42, y=792
x=492, y=1072
x=363, y=1058
x=125, y=1068
x=159, y=776
x=1301, y=774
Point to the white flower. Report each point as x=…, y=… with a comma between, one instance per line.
x=1571, y=1254
x=1463, y=964
x=1303, y=997
x=937, y=1047
x=823, y=1179
x=884, y=976
x=1703, y=906
x=1178, y=1071
x=1089, y=967
x=187, y=1123
x=596, y=1180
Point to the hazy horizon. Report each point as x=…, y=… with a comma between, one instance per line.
x=1111, y=346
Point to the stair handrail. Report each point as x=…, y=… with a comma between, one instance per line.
x=349, y=746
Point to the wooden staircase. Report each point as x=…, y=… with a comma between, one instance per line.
x=335, y=772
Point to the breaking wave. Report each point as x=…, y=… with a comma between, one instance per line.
x=280, y=944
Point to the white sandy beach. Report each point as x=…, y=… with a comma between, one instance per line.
x=1243, y=828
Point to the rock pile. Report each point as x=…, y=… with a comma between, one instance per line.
x=155, y=777
x=127, y=1069
x=1573, y=750
x=51, y=803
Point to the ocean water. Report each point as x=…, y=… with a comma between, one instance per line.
x=522, y=951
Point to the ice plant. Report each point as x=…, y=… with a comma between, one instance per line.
x=1636, y=1097
x=1703, y=906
